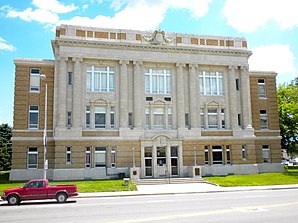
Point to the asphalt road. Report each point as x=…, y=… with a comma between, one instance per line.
x=246, y=206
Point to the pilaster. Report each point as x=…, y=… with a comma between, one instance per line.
x=245, y=98
x=137, y=100
x=180, y=96
x=233, y=98
x=62, y=92
x=123, y=94
x=193, y=96
x=77, y=94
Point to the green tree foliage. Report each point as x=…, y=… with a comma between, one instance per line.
x=5, y=147
x=287, y=96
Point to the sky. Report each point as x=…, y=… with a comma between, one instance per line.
x=269, y=26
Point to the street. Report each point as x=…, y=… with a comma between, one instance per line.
x=244, y=206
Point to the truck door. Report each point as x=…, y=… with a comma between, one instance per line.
x=36, y=190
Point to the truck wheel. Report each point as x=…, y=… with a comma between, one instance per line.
x=13, y=199
x=61, y=197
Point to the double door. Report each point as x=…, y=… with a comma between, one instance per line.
x=161, y=162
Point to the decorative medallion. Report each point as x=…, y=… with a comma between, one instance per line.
x=158, y=38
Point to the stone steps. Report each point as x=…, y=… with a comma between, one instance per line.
x=168, y=181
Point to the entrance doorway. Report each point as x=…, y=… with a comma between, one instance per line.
x=148, y=162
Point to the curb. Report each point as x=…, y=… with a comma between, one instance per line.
x=98, y=195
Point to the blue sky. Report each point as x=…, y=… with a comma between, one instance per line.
x=270, y=27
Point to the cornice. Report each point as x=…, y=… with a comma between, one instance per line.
x=158, y=48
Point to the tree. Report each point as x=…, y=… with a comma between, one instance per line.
x=5, y=146
x=287, y=96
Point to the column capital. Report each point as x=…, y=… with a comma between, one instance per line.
x=137, y=63
x=77, y=59
x=123, y=62
x=60, y=58
x=232, y=67
x=180, y=65
x=244, y=68
x=193, y=65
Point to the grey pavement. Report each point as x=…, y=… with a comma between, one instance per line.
x=184, y=189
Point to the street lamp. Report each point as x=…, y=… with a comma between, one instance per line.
x=45, y=162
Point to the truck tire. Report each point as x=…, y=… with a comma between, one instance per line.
x=13, y=199
x=61, y=197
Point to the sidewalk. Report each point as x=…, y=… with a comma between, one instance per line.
x=165, y=189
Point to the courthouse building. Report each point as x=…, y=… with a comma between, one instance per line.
x=143, y=105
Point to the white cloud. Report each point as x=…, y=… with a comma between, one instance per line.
x=141, y=14
x=85, y=6
x=130, y=14
x=5, y=46
x=46, y=12
x=250, y=15
x=278, y=58
x=54, y=6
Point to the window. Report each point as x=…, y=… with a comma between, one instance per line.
x=206, y=155
x=244, y=152
x=113, y=158
x=88, y=157
x=157, y=81
x=266, y=153
x=69, y=119
x=186, y=120
x=100, y=79
x=34, y=79
x=87, y=117
x=170, y=118
x=239, y=119
x=130, y=120
x=217, y=154
x=69, y=78
x=33, y=117
x=158, y=114
x=211, y=83
x=100, y=117
x=147, y=117
x=202, y=117
x=212, y=118
x=32, y=162
x=161, y=156
x=228, y=154
x=112, y=118
x=68, y=155
x=263, y=119
x=237, y=84
x=100, y=157
x=223, y=122
x=261, y=88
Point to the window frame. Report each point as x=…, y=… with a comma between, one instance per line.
x=158, y=76
x=68, y=155
x=211, y=85
x=262, y=87
x=266, y=148
x=28, y=159
x=31, y=88
x=100, y=150
x=264, y=119
x=31, y=112
x=88, y=157
x=94, y=82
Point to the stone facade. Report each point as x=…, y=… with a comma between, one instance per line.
x=144, y=105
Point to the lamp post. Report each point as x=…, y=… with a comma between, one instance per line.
x=45, y=162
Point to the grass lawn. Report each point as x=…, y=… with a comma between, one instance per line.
x=289, y=177
x=83, y=186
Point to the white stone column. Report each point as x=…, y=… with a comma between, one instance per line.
x=168, y=158
x=233, y=98
x=245, y=97
x=77, y=97
x=193, y=96
x=180, y=96
x=137, y=94
x=62, y=92
x=180, y=159
x=123, y=94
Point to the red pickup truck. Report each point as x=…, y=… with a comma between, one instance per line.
x=38, y=190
